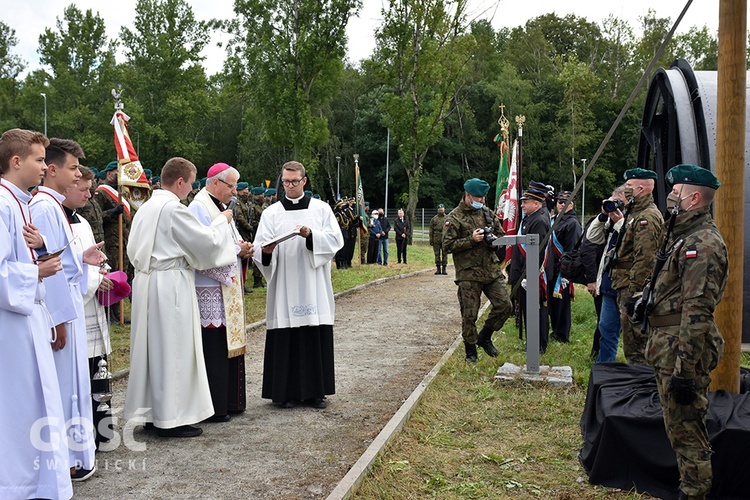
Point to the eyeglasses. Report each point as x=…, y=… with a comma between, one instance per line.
x=292, y=182
x=230, y=186
x=561, y=202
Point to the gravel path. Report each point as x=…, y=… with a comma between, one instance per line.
x=387, y=338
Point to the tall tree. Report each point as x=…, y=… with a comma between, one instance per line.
x=10, y=67
x=166, y=89
x=292, y=52
x=424, y=50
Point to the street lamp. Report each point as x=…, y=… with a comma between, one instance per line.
x=45, y=112
x=338, y=178
x=583, y=196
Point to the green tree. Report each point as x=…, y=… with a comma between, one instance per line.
x=291, y=53
x=423, y=53
x=10, y=67
x=166, y=89
x=699, y=47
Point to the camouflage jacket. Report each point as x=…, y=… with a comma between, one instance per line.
x=436, y=229
x=637, y=251
x=474, y=261
x=92, y=212
x=683, y=338
x=243, y=218
x=111, y=228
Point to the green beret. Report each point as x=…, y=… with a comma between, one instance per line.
x=101, y=175
x=367, y=203
x=476, y=187
x=156, y=179
x=148, y=173
x=202, y=182
x=441, y=206
x=270, y=192
x=94, y=170
x=196, y=184
x=692, y=174
x=316, y=196
x=258, y=190
x=308, y=192
x=241, y=186
x=110, y=166
x=639, y=173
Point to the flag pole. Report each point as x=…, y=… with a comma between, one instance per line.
x=120, y=258
x=520, y=120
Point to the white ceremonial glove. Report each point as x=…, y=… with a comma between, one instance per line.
x=523, y=283
x=564, y=282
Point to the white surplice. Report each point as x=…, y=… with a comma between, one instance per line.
x=29, y=390
x=65, y=303
x=168, y=384
x=299, y=280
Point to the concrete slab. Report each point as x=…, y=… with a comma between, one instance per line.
x=558, y=376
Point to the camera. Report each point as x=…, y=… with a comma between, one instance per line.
x=489, y=235
x=610, y=206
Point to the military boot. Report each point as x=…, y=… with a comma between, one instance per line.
x=444, y=271
x=485, y=341
x=438, y=271
x=471, y=352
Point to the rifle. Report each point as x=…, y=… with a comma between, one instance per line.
x=643, y=306
x=611, y=260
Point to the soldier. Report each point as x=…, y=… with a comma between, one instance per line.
x=196, y=186
x=636, y=253
x=567, y=232
x=684, y=344
x=257, y=207
x=269, y=197
x=436, y=240
x=92, y=212
x=242, y=218
x=363, y=234
x=477, y=267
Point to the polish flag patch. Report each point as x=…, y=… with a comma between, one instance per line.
x=691, y=254
x=643, y=222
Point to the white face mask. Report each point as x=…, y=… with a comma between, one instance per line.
x=477, y=205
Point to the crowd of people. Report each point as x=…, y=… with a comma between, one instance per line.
x=192, y=245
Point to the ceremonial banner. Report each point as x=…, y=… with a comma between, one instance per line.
x=509, y=201
x=130, y=175
x=503, y=174
x=361, y=200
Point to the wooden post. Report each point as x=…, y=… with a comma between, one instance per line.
x=730, y=169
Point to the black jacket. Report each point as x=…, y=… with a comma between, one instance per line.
x=536, y=223
x=591, y=255
x=400, y=227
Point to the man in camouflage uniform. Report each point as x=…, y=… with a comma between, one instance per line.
x=111, y=208
x=364, y=231
x=436, y=240
x=242, y=218
x=636, y=254
x=477, y=267
x=92, y=212
x=257, y=203
x=269, y=197
x=684, y=344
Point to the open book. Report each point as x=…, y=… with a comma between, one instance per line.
x=49, y=255
x=281, y=237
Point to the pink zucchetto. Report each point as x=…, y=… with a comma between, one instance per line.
x=216, y=169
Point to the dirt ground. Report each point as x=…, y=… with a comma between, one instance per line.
x=387, y=338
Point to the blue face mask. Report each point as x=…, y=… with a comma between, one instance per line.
x=476, y=205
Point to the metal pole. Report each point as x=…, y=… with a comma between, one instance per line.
x=532, y=303
x=45, y=113
x=338, y=178
x=387, y=164
x=583, y=196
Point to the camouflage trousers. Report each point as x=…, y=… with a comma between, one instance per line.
x=686, y=430
x=441, y=258
x=633, y=340
x=470, y=298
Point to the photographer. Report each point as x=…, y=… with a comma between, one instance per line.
x=604, y=230
x=468, y=234
x=635, y=255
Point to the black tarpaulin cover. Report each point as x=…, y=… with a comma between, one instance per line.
x=625, y=445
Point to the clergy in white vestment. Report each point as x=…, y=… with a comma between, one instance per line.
x=168, y=387
x=65, y=299
x=97, y=328
x=34, y=460
x=221, y=300
x=298, y=360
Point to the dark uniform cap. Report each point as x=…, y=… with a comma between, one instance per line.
x=148, y=172
x=95, y=171
x=203, y=182
x=270, y=192
x=316, y=196
x=101, y=175
x=639, y=173
x=367, y=203
x=534, y=194
x=241, y=186
x=540, y=186
x=476, y=187
x=307, y=192
x=156, y=179
x=258, y=190
x=196, y=184
x=110, y=166
x=441, y=206
x=563, y=195
x=692, y=174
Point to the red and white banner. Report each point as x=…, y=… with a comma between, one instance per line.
x=509, y=204
x=130, y=171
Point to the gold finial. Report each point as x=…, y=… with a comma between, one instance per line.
x=503, y=121
x=520, y=120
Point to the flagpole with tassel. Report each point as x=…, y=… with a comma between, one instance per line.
x=120, y=258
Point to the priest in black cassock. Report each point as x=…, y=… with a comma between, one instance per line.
x=298, y=360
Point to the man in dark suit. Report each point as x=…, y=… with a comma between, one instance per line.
x=402, y=229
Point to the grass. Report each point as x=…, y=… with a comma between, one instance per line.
x=470, y=437
x=420, y=257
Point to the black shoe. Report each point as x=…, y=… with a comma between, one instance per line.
x=219, y=418
x=318, y=403
x=288, y=404
x=258, y=284
x=485, y=342
x=183, y=431
x=247, y=290
x=471, y=352
x=149, y=426
x=82, y=474
x=438, y=271
x=444, y=271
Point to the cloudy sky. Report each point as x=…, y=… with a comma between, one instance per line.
x=30, y=17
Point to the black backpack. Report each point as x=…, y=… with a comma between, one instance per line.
x=571, y=265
